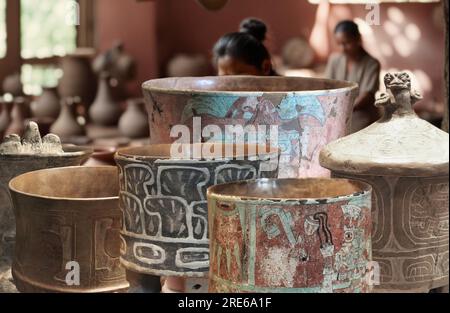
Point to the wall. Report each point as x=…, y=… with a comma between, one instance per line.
x=134, y=23
x=156, y=30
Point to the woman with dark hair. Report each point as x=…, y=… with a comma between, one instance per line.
x=356, y=65
x=243, y=52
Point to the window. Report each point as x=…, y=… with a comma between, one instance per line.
x=48, y=31
x=2, y=28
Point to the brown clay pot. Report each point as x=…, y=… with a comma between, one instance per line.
x=47, y=105
x=12, y=84
x=19, y=113
x=5, y=116
x=66, y=125
x=105, y=110
x=67, y=216
x=405, y=159
x=14, y=165
x=78, y=79
x=102, y=156
x=290, y=235
x=134, y=123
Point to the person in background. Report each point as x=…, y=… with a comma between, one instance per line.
x=356, y=65
x=244, y=52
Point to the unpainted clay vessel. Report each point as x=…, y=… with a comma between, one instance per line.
x=105, y=110
x=67, y=216
x=12, y=84
x=405, y=159
x=78, y=79
x=134, y=123
x=5, y=116
x=47, y=105
x=66, y=125
x=298, y=115
x=19, y=114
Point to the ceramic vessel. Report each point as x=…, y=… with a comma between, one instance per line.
x=47, y=105
x=19, y=113
x=14, y=165
x=301, y=114
x=66, y=125
x=63, y=216
x=5, y=116
x=12, y=84
x=405, y=159
x=78, y=79
x=105, y=110
x=134, y=123
x=163, y=199
x=102, y=156
x=290, y=235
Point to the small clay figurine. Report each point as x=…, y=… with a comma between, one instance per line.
x=10, y=145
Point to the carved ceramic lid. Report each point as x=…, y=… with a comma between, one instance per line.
x=399, y=144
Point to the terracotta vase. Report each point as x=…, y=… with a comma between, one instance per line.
x=78, y=79
x=105, y=110
x=67, y=218
x=47, y=105
x=163, y=199
x=134, y=123
x=5, y=116
x=19, y=114
x=299, y=115
x=405, y=159
x=290, y=235
x=66, y=125
x=12, y=84
x=14, y=165
x=102, y=156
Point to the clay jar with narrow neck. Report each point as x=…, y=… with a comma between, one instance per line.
x=47, y=105
x=105, y=110
x=5, y=116
x=66, y=125
x=405, y=159
x=134, y=123
x=19, y=113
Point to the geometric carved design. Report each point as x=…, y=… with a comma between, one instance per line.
x=166, y=214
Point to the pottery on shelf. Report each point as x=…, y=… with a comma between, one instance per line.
x=66, y=125
x=78, y=79
x=19, y=113
x=67, y=218
x=47, y=105
x=102, y=156
x=185, y=65
x=134, y=122
x=163, y=200
x=12, y=84
x=306, y=113
x=105, y=110
x=290, y=235
x=5, y=116
x=405, y=159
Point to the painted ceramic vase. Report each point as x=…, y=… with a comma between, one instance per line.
x=290, y=235
x=298, y=115
x=163, y=199
x=67, y=219
x=14, y=165
x=405, y=159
